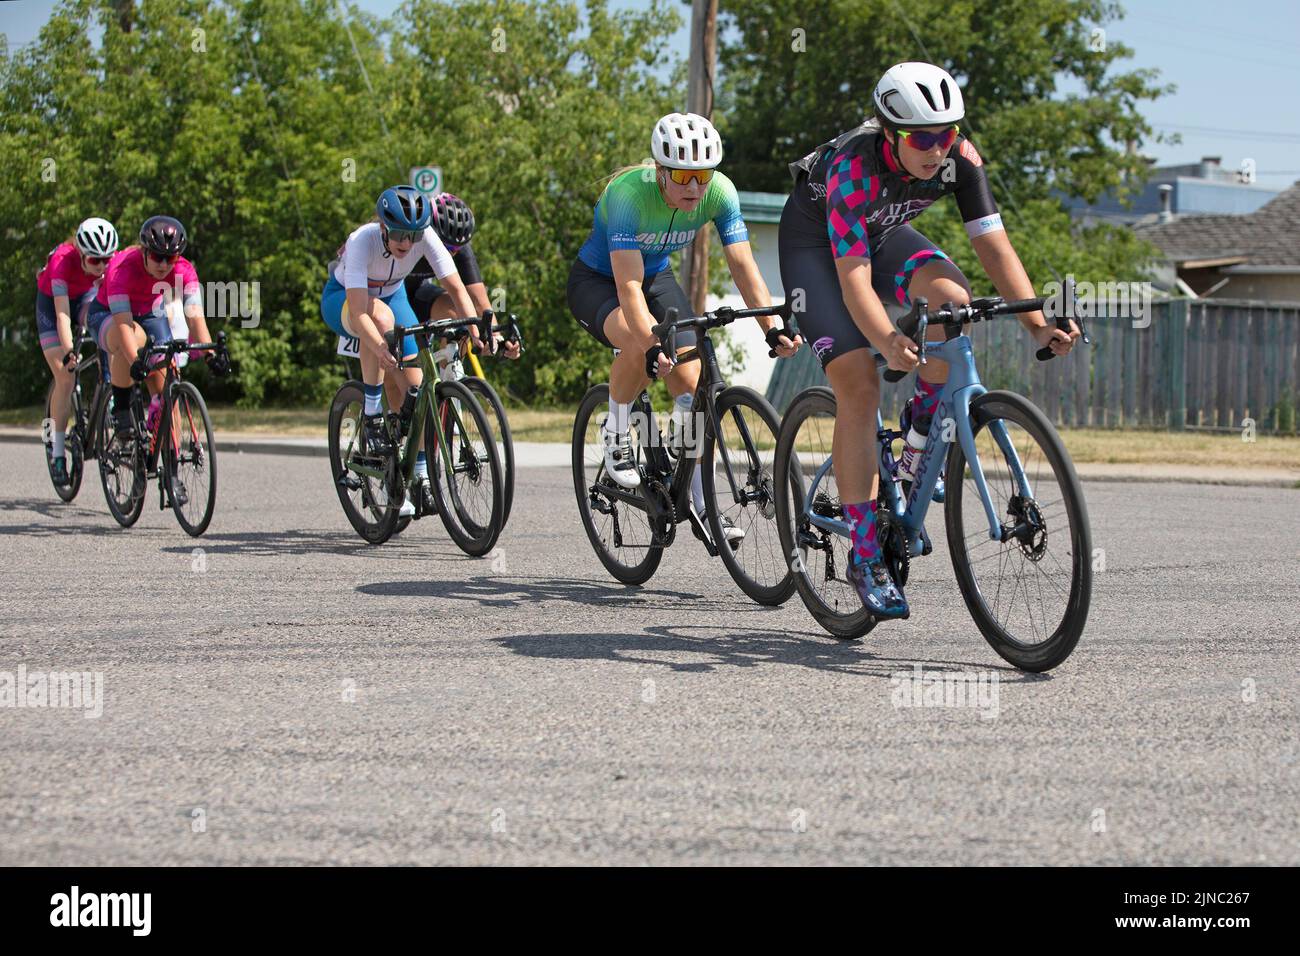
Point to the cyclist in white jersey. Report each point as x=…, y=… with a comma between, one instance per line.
x=365, y=296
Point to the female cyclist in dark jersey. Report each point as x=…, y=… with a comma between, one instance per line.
x=454, y=223
x=845, y=242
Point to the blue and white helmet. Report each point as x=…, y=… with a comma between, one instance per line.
x=403, y=207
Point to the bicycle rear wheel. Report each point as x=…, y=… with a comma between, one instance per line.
x=72, y=442
x=191, y=459
x=1029, y=595
x=122, y=463
x=621, y=533
x=819, y=559
x=468, y=487
x=748, y=427
x=365, y=499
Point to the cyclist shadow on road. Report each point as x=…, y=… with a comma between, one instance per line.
x=298, y=541
x=66, y=519
x=728, y=647
x=519, y=592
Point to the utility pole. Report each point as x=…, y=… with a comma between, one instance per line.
x=699, y=99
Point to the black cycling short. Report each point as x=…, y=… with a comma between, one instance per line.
x=808, y=266
x=593, y=296
x=423, y=297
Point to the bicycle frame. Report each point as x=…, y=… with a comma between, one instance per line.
x=680, y=475
x=166, y=413
x=962, y=388
x=424, y=406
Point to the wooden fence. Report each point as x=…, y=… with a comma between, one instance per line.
x=1199, y=363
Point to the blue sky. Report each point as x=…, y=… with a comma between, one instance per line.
x=1237, y=81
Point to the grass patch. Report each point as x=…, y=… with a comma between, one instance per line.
x=556, y=425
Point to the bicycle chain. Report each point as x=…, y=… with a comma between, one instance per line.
x=666, y=513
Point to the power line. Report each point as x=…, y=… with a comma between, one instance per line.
x=1219, y=53
x=275, y=141
x=1217, y=30
x=1262, y=135
x=401, y=173
x=1011, y=201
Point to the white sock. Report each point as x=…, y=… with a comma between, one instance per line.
x=697, y=489
x=421, y=465
x=619, y=414
x=58, y=439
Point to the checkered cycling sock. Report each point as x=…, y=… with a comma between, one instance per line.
x=372, y=398
x=862, y=520
x=924, y=402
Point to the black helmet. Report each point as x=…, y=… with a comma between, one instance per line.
x=452, y=220
x=163, y=236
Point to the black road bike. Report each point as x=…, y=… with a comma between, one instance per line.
x=730, y=432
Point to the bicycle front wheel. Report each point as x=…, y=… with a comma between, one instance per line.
x=464, y=469
x=620, y=533
x=1028, y=593
x=122, y=464
x=491, y=402
x=745, y=449
x=818, y=558
x=191, y=460
x=365, y=499
x=71, y=440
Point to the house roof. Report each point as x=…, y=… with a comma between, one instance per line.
x=761, y=207
x=1269, y=236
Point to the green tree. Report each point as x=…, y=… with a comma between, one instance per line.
x=527, y=112
x=254, y=123
x=797, y=72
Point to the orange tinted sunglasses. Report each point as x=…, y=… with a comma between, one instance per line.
x=683, y=176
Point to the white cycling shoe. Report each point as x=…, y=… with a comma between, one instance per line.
x=620, y=460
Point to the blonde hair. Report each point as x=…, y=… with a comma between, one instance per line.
x=605, y=181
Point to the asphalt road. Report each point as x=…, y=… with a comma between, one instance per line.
x=290, y=695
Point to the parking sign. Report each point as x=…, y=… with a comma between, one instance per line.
x=427, y=179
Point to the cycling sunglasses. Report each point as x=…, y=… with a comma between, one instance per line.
x=161, y=260
x=922, y=140
x=97, y=260
x=405, y=235
x=683, y=176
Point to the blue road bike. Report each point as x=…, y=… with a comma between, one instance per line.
x=1014, y=512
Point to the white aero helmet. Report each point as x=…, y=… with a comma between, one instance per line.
x=97, y=237
x=686, y=141
x=918, y=94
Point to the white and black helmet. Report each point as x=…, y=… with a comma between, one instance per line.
x=97, y=237
x=918, y=94
x=686, y=141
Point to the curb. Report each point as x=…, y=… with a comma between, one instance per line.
x=553, y=455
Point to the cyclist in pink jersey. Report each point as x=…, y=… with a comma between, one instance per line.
x=132, y=303
x=64, y=289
